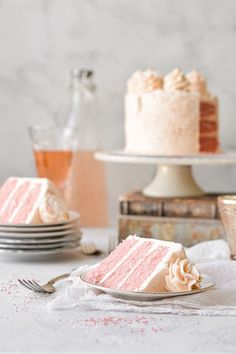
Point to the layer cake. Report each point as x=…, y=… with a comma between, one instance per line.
x=147, y=265
x=174, y=115
x=31, y=201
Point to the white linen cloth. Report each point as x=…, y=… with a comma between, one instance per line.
x=212, y=258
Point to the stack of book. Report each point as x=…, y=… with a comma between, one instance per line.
x=184, y=220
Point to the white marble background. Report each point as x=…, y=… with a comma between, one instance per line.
x=41, y=39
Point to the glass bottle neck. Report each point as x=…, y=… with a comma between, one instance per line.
x=82, y=90
x=82, y=83
x=78, y=101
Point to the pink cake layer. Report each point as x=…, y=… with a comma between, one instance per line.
x=14, y=201
x=5, y=191
x=141, y=273
x=98, y=273
x=29, y=202
x=129, y=263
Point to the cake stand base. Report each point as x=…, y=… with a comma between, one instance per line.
x=173, y=181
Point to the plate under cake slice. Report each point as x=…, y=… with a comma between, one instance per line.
x=31, y=201
x=148, y=265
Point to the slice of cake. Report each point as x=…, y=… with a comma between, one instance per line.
x=140, y=264
x=31, y=201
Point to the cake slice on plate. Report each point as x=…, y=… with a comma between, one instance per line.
x=148, y=265
x=31, y=201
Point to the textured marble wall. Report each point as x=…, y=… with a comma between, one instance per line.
x=41, y=39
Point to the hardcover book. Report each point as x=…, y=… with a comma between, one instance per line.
x=203, y=207
x=188, y=231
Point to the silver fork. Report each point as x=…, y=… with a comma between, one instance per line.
x=44, y=288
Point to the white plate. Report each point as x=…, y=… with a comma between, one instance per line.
x=13, y=235
x=38, y=247
x=37, y=252
x=39, y=241
x=206, y=284
x=41, y=228
x=74, y=216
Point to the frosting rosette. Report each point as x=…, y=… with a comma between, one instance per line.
x=143, y=81
x=53, y=207
x=175, y=81
x=197, y=83
x=183, y=276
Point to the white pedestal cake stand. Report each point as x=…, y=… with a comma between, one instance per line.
x=174, y=173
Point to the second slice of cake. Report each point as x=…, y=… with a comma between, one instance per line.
x=31, y=201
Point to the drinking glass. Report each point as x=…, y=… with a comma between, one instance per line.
x=227, y=209
x=53, y=150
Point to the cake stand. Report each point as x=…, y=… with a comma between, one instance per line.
x=174, y=173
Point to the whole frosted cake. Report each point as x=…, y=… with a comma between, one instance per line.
x=174, y=115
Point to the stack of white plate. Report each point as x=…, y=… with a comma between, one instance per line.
x=50, y=238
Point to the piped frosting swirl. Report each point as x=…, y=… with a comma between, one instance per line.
x=143, y=81
x=183, y=276
x=175, y=81
x=197, y=83
x=53, y=207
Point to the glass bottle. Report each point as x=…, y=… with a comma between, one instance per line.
x=79, y=113
x=77, y=110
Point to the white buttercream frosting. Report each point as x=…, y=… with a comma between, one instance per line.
x=175, y=81
x=53, y=207
x=144, y=81
x=152, y=127
x=183, y=276
x=197, y=83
